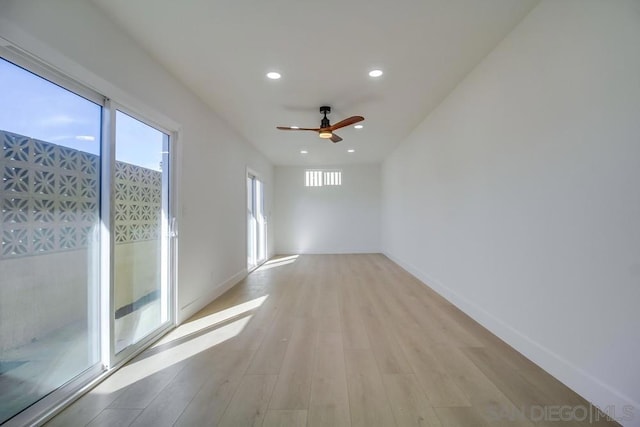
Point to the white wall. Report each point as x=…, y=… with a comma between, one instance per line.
x=518, y=197
x=333, y=219
x=76, y=38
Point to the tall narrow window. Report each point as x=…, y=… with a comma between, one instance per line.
x=256, y=223
x=49, y=222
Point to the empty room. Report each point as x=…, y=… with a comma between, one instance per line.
x=330, y=213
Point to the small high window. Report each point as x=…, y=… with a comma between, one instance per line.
x=333, y=178
x=313, y=178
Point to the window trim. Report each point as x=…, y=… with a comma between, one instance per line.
x=35, y=66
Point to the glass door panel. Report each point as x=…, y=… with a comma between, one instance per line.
x=252, y=261
x=261, y=232
x=49, y=231
x=140, y=227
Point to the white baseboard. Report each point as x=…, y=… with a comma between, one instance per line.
x=593, y=389
x=198, y=304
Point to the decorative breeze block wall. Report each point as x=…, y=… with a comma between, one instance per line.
x=138, y=196
x=49, y=198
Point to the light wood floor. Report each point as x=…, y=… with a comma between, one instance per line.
x=326, y=340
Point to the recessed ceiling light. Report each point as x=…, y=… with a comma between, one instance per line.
x=303, y=151
x=273, y=75
x=375, y=73
x=351, y=150
x=358, y=126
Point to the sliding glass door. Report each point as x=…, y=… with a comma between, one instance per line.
x=256, y=223
x=85, y=255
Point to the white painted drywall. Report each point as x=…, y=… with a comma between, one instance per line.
x=329, y=219
x=518, y=198
x=78, y=39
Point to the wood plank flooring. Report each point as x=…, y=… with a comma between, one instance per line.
x=326, y=340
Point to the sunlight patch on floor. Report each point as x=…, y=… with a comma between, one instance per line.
x=211, y=320
x=136, y=371
x=278, y=262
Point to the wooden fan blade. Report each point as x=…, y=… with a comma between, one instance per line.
x=290, y=128
x=335, y=138
x=346, y=122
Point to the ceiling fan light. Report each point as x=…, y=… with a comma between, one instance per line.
x=325, y=134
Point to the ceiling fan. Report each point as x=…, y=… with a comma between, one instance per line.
x=326, y=129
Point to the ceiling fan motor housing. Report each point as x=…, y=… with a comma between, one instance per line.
x=325, y=121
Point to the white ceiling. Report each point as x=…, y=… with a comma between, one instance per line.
x=222, y=49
